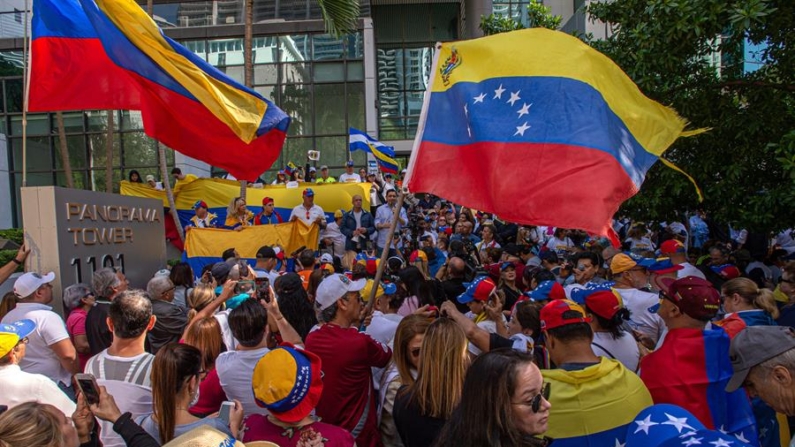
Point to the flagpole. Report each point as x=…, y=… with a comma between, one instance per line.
x=385, y=252
x=26, y=89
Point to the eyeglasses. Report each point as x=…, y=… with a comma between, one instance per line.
x=535, y=402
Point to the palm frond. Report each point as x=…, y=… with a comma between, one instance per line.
x=340, y=16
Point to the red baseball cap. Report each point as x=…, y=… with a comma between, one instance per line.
x=605, y=303
x=694, y=296
x=266, y=201
x=559, y=313
x=672, y=246
x=478, y=290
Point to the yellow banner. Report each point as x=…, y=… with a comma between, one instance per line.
x=210, y=242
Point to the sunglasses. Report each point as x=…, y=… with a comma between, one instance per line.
x=535, y=402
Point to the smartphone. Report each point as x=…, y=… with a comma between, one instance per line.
x=263, y=289
x=226, y=409
x=88, y=386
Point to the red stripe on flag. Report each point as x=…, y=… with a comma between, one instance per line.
x=527, y=183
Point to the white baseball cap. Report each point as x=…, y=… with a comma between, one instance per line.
x=335, y=287
x=28, y=283
x=326, y=258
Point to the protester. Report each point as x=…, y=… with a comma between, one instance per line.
x=294, y=304
x=630, y=277
x=692, y=361
x=349, y=176
x=205, y=335
x=106, y=284
x=324, y=176
x=479, y=294
x=134, y=177
x=181, y=276
x=49, y=352
x=19, y=386
x=677, y=252
x=150, y=180
x=176, y=375
x=504, y=402
x=331, y=239
x=348, y=398
x=383, y=222
x=421, y=408
x=507, y=285
x=287, y=382
x=268, y=216
x=78, y=299
x=746, y=305
x=357, y=225
x=181, y=179
x=170, y=319
x=608, y=314
x=237, y=215
x=308, y=212
x=202, y=218
x=582, y=412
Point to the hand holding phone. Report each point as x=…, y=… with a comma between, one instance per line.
x=226, y=410
x=88, y=386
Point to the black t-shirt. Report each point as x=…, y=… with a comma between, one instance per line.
x=511, y=296
x=97, y=332
x=415, y=430
x=452, y=288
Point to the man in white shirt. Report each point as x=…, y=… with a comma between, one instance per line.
x=308, y=212
x=19, y=386
x=50, y=352
x=349, y=176
x=125, y=367
x=676, y=251
x=383, y=221
x=629, y=278
x=385, y=318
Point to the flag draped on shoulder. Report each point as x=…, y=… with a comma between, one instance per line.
x=109, y=54
x=384, y=155
x=537, y=127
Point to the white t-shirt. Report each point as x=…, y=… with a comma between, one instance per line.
x=624, y=349
x=223, y=320
x=235, y=369
x=350, y=178
x=382, y=329
x=20, y=387
x=522, y=343
x=638, y=302
x=559, y=245
x=639, y=245
x=50, y=329
x=487, y=325
x=308, y=218
x=689, y=269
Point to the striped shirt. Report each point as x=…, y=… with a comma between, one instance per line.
x=136, y=370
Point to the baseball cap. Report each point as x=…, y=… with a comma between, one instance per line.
x=308, y=192
x=349, y=163
x=605, y=303
x=220, y=269
x=694, y=296
x=150, y=178
x=368, y=288
x=418, y=255
x=371, y=263
x=506, y=265
x=726, y=271
x=11, y=334
x=640, y=260
x=266, y=252
x=335, y=287
x=267, y=200
x=338, y=214
x=580, y=294
x=388, y=174
x=324, y=168
x=672, y=246
x=622, y=263
x=312, y=169
x=403, y=171
x=163, y=272
x=664, y=265
x=326, y=258
x=29, y=282
x=548, y=290
x=288, y=383
x=204, y=436
x=200, y=204
x=390, y=288
x=755, y=345
x=480, y=289
x=281, y=172
x=559, y=313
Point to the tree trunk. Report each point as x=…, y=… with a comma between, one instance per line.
x=248, y=61
x=109, y=154
x=64, y=150
x=150, y=7
x=161, y=155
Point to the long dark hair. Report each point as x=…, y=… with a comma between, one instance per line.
x=174, y=365
x=614, y=325
x=294, y=304
x=415, y=284
x=484, y=416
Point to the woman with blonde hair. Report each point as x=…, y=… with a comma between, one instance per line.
x=237, y=215
x=199, y=297
x=205, y=334
x=400, y=372
x=421, y=408
x=746, y=305
x=34, y=424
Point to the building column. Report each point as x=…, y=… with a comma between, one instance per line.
x=6, y=200
x=191, y=165
x=474, y=10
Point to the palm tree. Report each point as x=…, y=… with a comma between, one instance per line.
x=340, y=15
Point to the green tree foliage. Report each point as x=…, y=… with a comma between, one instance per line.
x=538, y=15
x=746, y=163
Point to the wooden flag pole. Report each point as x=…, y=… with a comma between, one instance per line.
x=385, y=252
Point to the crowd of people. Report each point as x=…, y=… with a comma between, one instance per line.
x=480, y=332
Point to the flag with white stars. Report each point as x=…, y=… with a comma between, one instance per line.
x=665, y=425
x=539, y=128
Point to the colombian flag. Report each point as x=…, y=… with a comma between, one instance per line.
x=108, y=54
x=384, y=155
x=537, y=127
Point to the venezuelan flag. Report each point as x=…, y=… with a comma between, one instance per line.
x=384, y=155
x=592, y=407
x=108, y=54
x=691, y=369
x=537, y=127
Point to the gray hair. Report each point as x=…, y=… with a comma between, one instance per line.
x=327, y=314
x=157, y=286
x=74, y=294
x=785, y=359
x=103, y=282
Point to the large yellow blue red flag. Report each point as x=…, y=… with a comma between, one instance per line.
x=537, y=127
x=109, y=54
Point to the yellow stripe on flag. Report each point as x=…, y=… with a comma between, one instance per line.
x=210, y=242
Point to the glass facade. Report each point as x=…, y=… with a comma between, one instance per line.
x=515, y=9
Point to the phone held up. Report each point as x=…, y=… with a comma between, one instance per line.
x=88, y=386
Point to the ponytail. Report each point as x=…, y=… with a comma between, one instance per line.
x=173, y=366
x=764, y=300
x=752, y=294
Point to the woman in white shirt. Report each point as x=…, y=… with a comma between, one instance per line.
x=610, y=340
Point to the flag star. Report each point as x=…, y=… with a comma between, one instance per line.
x=722, y=430
x=685, y=435
x=679, y=423
x=514, y=97
x=479, y=98
x=498, y=92
x=645, y=424
x=619, y=444
x=692, y=441
x=721, y=443
x=524, y=110
x=520, y=129
x=469, y=131
x=741, y=438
